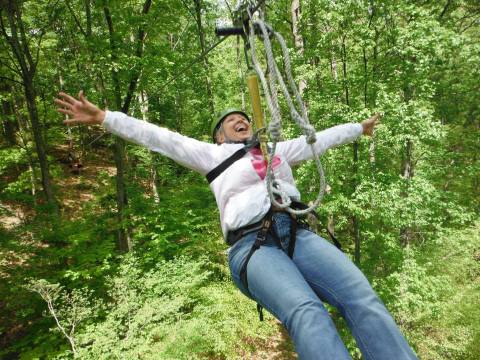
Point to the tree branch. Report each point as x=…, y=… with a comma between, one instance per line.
x=13, y=39
x=13, y=80
x=37, y=54
x=141, y=35
x=469, y=26
x=76, y=19
x=24, y=42
x=445, y=8
x=188, y=9
x=14, y=69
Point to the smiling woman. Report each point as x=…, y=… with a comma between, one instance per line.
x=234, y=128
x=294, y=268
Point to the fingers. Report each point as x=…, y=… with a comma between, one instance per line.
x=67, y=98
x=66, y=112
x=81, y=96
x=62, y=103
x=70, y=122
x=84, y=100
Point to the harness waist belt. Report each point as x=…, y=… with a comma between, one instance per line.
x=235, y=235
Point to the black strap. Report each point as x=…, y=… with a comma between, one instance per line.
x=237, y=155
x=293, y=236
x=302, y=206
x=334, y=239
x=236, y=235
x=261, y=237
x=264, y=228
x=225, y=164
x=260, y=311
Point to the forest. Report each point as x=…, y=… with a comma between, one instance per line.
x=109, y=250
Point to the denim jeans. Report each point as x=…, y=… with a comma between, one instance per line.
x=294, y=290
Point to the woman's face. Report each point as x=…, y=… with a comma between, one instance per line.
x=236, y=128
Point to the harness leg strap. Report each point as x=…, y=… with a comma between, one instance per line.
x=293, y=236
x=261, y=238
x=243, y=270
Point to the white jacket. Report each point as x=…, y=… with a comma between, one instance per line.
x=240, y=191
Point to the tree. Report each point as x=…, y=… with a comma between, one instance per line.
x=123, y=239
x=17, y=37
x=203, y=48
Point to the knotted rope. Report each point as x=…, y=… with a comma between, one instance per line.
x=299, y=116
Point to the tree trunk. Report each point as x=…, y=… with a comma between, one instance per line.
x=23, y=143
x=123, y=241
x=88, y=16
x=39, y=144
x=298, y=39
x=333, y=68
x=123, y=237
x=312, y=31
x=206, y=65
x=20, y=47
x=9, y=126
x=355, y=221
x=407, y=163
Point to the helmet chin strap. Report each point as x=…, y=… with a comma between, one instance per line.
x=248, y=141
x=251, y=142
x=228, y=141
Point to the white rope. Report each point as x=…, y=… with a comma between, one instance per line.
x=299, y=116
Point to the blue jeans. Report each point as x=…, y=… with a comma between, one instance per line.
x=293, y=290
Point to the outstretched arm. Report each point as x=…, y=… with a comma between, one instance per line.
x=297, y=150
x=194, y=154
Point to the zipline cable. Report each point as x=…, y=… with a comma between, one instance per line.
x=197, y=59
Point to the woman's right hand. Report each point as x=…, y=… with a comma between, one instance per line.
x=81, y=111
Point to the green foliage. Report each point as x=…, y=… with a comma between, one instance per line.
x=171, y=311
x=433, y=294
x=10, y=157
x=408, y=188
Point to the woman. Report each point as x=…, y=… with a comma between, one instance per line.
x=294, y=287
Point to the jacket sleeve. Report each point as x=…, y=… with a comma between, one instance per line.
x=191, y=153
x=297, y=150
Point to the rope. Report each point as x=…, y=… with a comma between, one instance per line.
x=299, y=116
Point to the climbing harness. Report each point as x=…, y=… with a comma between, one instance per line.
x=264, y=228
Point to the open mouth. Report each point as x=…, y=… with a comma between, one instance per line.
x=241, y=128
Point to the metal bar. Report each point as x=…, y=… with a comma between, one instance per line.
x=252, y=82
